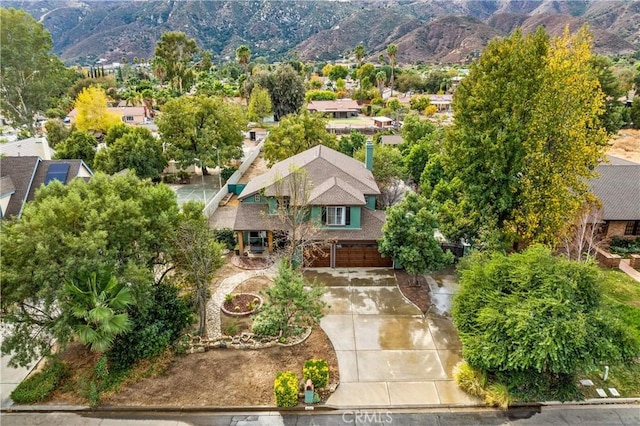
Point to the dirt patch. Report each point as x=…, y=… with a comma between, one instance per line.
x=626, y=145
x=244, y=262
x=418, y=293
x=258, y=167
x=241, y=304
x=227, y=377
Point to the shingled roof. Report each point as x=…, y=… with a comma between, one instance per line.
x=27, y=174
x=320, y=164
x=618, y=188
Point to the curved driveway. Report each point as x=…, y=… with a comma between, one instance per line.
x=389, y=354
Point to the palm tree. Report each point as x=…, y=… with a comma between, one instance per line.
x=360, y=53
x=97, y=305
x=243, y=55
x=392, y=49
x=381, y=76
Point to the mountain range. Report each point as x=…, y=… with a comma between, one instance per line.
x=429, y=31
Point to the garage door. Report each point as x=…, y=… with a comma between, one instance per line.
x=360, y=255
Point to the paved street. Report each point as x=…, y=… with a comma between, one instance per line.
x=603, y=415
x=389, y=354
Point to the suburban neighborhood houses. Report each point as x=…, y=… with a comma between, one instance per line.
x=206, y=230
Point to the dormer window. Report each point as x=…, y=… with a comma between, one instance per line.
x=335, y=216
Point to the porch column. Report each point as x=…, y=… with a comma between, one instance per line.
x=241, y=243
x=270, y=241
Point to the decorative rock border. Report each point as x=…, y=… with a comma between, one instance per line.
x=244, y=341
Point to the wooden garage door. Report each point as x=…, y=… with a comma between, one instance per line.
x=318, y=259
x=360, y=255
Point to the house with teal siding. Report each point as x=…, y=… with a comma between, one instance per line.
x=339, y=194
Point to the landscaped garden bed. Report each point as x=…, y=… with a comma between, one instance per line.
x=624, y=246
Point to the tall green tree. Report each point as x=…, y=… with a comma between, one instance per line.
x=297, y=133
x=137, y=149
x=287, y=91
x=525, y=138
x=530, y=321
x=78, y=146
x=259, y=103
x=612, y=115
x=174, y=56
x=198, y=126
x=408, y=237
x=243, y=56
x=96, y=307
x=392, y=51
x=388, y=171
x=351, y=143
x=31, y=75
x=117, y=223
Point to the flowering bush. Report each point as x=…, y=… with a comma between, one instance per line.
x=318, y=371
x=285, y=389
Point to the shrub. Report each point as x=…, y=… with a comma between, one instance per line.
x=625, y=246
x=469, y=379
x=227, y=172
x=155, y=325
x=285, y=389
x=225, y=236
x=498, y=395
x=266, y=323
x=39, y=386
x=318, y=371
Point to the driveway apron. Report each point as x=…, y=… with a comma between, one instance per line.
x=389, y=354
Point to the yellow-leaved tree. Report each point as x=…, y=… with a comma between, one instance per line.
x=565, y=141
x=93, y=113
x=526, y=136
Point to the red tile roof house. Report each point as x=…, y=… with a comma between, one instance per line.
x=341, y=197
x=340, y=108
x=20, y=177
x=618, y=189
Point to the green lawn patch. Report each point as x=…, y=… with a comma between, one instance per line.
x=621, y=300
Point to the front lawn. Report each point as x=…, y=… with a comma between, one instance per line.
x=621, y=299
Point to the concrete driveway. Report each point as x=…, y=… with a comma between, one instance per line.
x=389, y=354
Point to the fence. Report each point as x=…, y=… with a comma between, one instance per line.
x=213, y=204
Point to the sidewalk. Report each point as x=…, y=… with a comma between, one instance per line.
x=627, y=269
x=10, y=377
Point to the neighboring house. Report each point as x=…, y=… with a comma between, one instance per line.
x=442, y=102
x=341, y=197
x=20, y=177
x=618, y=189
x=131, y=115
x=340, y=108
x=257, y=134
x=32, y=147
x=382, y=122
x=394, y=140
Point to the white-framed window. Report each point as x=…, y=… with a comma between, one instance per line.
x=256, y=198
x=336, y=216
x=128, y=118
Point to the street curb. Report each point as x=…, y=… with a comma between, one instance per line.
x=169, y=409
